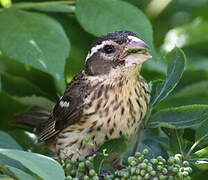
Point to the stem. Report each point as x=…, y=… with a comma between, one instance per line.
x=35, y=4
x=179, y=142
x=140, y=132
x=194, y=145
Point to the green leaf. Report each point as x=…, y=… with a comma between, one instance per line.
x=6, y=141
x=201, y=132
x=202, y=154
x=61, y=8
x=18, y=174
x=193, y=93
x=110, y=148
x=18, y=86
x=0, y=84
x=179, y=117
x=43, y=81
x=36, y=101
x=42, y=166
x=5, y=177
x=34, y=39
x=175, y=70
x=8, y=108
x=104, y=16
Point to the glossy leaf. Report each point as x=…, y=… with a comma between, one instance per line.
x=176, y=59
x=104, y=16
x=34, y=39
x=6, y=141
x=18, y=174
x=179, y=117
x=37, y=164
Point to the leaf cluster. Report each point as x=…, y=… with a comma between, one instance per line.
x=44, y=43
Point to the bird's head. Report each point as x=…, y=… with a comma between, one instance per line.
x=117, y=53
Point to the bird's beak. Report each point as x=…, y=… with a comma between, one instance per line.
x=135, y=52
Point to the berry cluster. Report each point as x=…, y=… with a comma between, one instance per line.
x=81, y=169
x=138, y=168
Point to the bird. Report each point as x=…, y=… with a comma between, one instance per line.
x=107, y=99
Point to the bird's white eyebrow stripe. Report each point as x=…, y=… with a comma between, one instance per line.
x=99, y=46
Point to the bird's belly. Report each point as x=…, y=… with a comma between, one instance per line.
x=105, y=119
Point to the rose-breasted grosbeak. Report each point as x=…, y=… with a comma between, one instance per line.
x=106, y=100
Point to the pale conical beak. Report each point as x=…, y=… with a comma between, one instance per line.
x=136, y=51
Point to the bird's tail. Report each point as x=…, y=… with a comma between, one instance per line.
x=32, y=119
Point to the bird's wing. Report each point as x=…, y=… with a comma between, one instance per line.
x=67, y=111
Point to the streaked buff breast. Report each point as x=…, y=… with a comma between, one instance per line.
x=109, y=113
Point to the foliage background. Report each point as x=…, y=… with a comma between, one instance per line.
x=44, y=43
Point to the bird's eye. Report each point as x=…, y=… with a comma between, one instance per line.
x=108, y=49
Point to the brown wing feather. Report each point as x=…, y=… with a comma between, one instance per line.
x=68, y=110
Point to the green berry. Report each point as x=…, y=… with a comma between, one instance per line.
x=153, y=173
x=137, y=171
x=130, y=159
x=138, y=154
x=178, y=156
x=188, y=169
x=81, y=165
x=186, y=163
x=95, y=178
x=171, y=160
x=164, y=171
x=147, y=176
x=143, y=165
x=162, y=177
x=154, y=161
x=145, y=161
x=149, y=168
x=142, y=172
x=175, y=169
x=177, y=160
x=139, y=177
x=133, y=163
x=92, y=172
x=159, y=167
x=69, y=178
x=145, y=151
x=86, y=177
x=132, y=170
